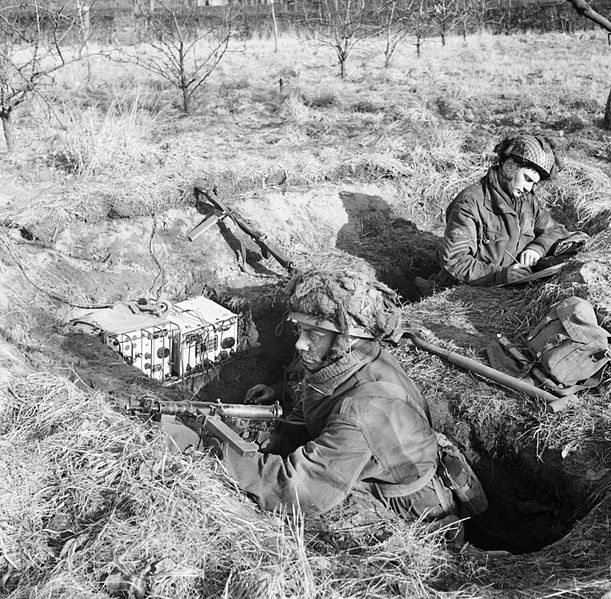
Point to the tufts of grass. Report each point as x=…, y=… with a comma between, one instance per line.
x=320, y=98
x=581, y=197
x=117, y=142
x=293, y=111
x=92, y=502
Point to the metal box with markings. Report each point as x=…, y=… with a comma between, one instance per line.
x=207, y=334
x=146, y=344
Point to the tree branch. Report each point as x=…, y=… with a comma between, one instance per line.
x=585, y=10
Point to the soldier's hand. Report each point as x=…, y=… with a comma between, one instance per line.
x=271, y=445
x=529, y=257
x=260, y=394
x=517, y=272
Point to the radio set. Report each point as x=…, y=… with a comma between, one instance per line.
x=208, y=333
x=187, y=339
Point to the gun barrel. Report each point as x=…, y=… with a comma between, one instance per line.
x=196, y=408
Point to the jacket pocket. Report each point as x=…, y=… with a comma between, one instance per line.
x=491, y=236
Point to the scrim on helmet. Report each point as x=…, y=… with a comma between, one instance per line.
x=352, y=300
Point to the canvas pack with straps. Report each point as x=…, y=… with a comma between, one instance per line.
x=569, y=345
x=452, y=468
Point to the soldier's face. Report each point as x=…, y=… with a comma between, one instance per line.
x=519, y=180
x=313, y=345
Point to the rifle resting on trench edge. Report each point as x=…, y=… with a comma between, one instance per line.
x=221, y=211
x=226, y=422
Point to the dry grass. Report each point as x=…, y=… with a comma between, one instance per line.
x=366, y=165
x=92, y=500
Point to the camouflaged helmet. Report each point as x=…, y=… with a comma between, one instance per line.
x=531, y=150
x=351, y=303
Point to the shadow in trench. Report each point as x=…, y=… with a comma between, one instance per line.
x=395, y=247
x=525, y=512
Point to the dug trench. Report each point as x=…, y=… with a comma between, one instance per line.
x=533, y=501
x=535, y=495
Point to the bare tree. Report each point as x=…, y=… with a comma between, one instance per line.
x=470, y=16
x=420, y=20
x=444, y=14
x=35, y=42
x=341, y=24
x=183, y=43
x=394, y=21
x=583, y=8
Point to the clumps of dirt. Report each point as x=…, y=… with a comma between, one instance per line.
x=394, y=246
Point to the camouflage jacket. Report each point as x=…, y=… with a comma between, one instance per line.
x=343, y=430
x=484, y=230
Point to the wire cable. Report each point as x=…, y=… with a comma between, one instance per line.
x=9, y=246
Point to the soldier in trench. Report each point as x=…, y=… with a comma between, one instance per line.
x=496, y=229
x=359, y=420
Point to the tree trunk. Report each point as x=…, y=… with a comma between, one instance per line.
x=607, y=119
x=186, y=100
x=342, y=57
x=7, y=126
x=584, y=9
x=184, y=86
x=275, y=26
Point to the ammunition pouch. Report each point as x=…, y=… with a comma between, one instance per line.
x=458, y=476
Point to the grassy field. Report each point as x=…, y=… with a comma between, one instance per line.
x=96, y=202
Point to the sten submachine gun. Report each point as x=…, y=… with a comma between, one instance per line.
x=233, y=424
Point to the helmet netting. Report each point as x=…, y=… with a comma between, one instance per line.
x=349, y=299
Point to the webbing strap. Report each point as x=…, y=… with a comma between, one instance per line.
x=388, y=490
x=443, y=500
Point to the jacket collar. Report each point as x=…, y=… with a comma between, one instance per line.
x=326, y=380
x=495, y=197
